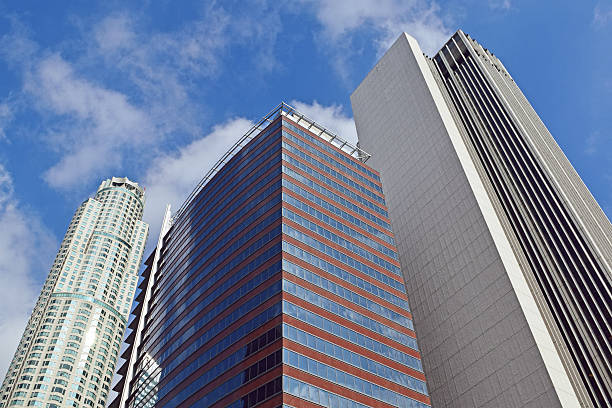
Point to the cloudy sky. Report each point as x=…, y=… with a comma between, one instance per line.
x=157, y=91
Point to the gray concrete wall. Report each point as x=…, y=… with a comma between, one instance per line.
x=482, y=338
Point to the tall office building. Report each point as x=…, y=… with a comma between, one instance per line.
x=68, y=352
x=507, y=252
x=276, y=284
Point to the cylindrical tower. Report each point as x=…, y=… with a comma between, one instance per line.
x=68, y=352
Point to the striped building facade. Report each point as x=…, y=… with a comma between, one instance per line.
x=509, y=252
x=276, y=284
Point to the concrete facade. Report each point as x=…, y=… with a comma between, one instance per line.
x=483, y=331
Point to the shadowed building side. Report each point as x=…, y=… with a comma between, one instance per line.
x=276, y=284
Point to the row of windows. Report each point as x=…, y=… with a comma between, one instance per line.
x=95, y=301
x=222, y=222
x=317, y=395
x=255, y=370
x=66, y=357
x=213, y=350
x=169, y=299
x=173, y=264
x=336, y=239
x=348, y=380
x=173, y=298
x=347, y=334
x=115, y=237
x=352, y=358
x=326, y=146
x=346, y=294
x=219, y=305
x=211, y=192
x=119, y=194
x=227, y=387
x=222, y=324
x=342, y=257
x=169, y=318
x=247, y=269
x=238, y=356
x=236, y=261
x=177, y=249
x=333, y=162
x=57, y=398
x=346, y=216
x=337, y=186
x=348, y=314
x=337, y=198
x=302, y=205
x=349, y=277
x=203, y=379
x=259, y=394
x=224, y=179
x=334, y=185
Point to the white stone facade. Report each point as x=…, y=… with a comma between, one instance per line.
x=68, y=352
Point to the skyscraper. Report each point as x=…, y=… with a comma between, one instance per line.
x=277, y=282
x=68, y=352
x=508, y=253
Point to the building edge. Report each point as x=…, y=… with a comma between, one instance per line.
x=140, y=313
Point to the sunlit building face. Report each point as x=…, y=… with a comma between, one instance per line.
x=68, y=353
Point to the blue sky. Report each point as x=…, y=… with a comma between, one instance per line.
x=159, y=90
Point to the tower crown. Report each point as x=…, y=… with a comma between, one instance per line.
x=125, y=183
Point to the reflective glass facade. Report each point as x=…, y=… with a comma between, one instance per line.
x=277, y=285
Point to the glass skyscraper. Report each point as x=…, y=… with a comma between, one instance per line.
x=68, y=352
x=277, y=283
x=510, y=254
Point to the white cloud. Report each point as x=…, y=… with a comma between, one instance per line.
x=111, y=105
x=591, y=143
x=101, y=120
x=173, y=176
x=164, y=64
x=89, y=125
x=386, y=18
x=165, y=57
x=331, y=117
x=26, y=248
x=127, y=90
x=426, y=26
x=602, y=14
x=599, y=143
x=500, y=4
x=114, y=33
x=6, y=116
